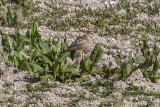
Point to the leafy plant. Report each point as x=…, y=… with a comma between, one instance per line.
x=153, y=10
x=42, y=57
x=89, y=65
x=22, y=2
x=125, y=4
x=2, y=2
x=13, y=19
x=149, y=60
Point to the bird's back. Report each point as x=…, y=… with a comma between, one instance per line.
x=82, y=42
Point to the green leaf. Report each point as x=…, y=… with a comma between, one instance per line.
x=128, y=70
x=5, y=43
x=82, y=79
x=85, y=65
x=46, y=39
x=64, y=44
x=155, y=67
x=10, y=60
x=54, y=49
x=20, y=47
x=153, y=79
x=72, y=53
x=63, y=55
x=44, y=47
x=123, y=67
x=28, y=35
x=44, y=78
x=56, y=68
x=20, y=56
x=18, y=42
x=154, y=53
x=23, y=65
x=1, y=57
x=130, y=58
x=27, y=41
x=46, y=60
x=36, y=67
x=29, y=87
x=145, y=72
x=34, y=55
x=15, y=19
x=96, y=68
x=34, y=28
x=35, y=36
x=71, y=70
x=96, y=54
x=9, y=15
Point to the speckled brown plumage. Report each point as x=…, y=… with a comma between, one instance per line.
x=82, y=42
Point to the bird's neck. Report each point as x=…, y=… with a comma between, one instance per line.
x=91, y=33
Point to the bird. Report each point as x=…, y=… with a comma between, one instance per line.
x=83, y=42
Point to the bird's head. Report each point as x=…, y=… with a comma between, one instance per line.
x=89, y=30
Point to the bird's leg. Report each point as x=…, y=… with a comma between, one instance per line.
x=81, y=55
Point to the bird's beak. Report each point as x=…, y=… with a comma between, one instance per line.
x=86, y=30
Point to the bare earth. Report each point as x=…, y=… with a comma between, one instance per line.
x=13, y=91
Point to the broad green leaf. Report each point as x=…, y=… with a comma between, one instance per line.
x=36, y=67
x=44, y=47
x=35, y=36
x=88, y=63
x=5, y=43
x=20, y=56
x=46, y=39
x=153, y=79
x=16, y=62
x=72, y=55
x=44, y=78
x=27, y=41
x=128, y=70
x=46, y=60
x=54, y=49
x=96, y=68
x=82, y=79
x=96, y=54
x=71, y=70
x=123, y=67
x=28, y=35
x=29, y=87
x=65, y=66
x=155, y=67
x=9, y=15
x=85, y=65
x=15, y=18
x=145, y=72
x=20, y=46
x=23, y=65
x=56, y=69
x=34, y=28
x=34, y=55
x=1, y=57
x=63, y=55
x=14, y=44
x=10, y=60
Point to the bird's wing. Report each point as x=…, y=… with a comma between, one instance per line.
x=78, y=44
x=79, y=41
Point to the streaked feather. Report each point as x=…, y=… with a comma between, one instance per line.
x=82, y=42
